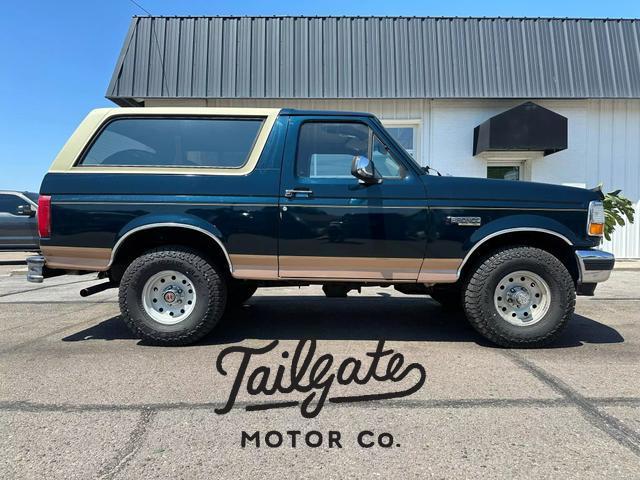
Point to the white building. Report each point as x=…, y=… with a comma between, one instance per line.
x=431, y=80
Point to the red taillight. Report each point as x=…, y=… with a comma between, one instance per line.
x=44, y=216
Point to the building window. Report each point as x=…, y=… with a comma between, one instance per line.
x=510, y=165
x=406, y=133
x=504, y=172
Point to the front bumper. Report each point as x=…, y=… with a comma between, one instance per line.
x=594, y=266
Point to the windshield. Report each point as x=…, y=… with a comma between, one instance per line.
x=32, y=196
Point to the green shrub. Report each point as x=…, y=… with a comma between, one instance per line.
x=616, y=209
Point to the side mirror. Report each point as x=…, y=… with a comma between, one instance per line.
x=27, y=210
x=363, y=169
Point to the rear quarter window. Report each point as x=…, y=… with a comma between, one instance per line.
x=174, y=142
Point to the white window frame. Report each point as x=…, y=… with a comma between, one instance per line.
x=417, y=133
x=523, y=160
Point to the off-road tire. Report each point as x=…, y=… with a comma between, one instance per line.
x=239, y=292
x=479, y=297
x=210, y=287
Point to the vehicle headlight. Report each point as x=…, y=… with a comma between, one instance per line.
x=595, y=221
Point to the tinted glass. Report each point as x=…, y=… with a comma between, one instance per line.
x=385, y=164
x=10, y=203
x=32, y=196
x=175, y=142
x=326, y=150
x=504, y=173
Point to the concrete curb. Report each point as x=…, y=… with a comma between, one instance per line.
x=627, y=265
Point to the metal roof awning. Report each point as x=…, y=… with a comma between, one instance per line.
x=527, y=127
x=376, y=57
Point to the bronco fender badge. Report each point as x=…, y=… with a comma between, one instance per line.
x=464, y=221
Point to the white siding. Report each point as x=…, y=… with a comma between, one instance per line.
x=613, y=158
x=604, y=141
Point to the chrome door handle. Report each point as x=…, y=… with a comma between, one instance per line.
x=305, y=193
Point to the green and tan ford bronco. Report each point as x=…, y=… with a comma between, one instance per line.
x=189, y=210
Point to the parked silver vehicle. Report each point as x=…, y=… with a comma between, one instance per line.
x=18, y=224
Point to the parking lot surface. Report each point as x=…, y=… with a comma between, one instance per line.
x=81, y=398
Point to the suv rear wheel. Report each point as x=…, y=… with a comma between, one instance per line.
x=172, y=296
x=520, y=297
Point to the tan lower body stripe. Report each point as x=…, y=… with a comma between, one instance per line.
x=350, y=267
x=270, y=267
x=439, y=270
x=255, y=267
x=77, y=258
x=265, y=267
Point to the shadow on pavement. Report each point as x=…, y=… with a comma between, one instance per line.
x=353, y=318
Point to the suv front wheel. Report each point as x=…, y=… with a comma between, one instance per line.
x=520, y=297
x=172, y=296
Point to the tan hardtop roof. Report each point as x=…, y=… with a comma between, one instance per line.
x=132, y=111
x=259, y=111
x=66, y=160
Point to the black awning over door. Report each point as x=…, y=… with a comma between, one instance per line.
x=527, y=127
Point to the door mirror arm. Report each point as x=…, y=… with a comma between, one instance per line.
x=364, y=170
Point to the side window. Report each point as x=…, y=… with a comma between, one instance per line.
x=175, y=142
x=326, y=149
x=386, y=165
x=9, y=203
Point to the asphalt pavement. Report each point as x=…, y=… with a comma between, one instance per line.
x=81, y=398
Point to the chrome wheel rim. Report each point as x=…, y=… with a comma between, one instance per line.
x=522, y=298
x=169, y=297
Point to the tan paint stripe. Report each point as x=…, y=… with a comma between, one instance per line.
x=439, y=270
x=255, y=267
x=441, y=263
x=364, y=281
x=350, y=267
x=265, y=267
x=77, y=258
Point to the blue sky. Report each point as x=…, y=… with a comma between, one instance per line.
x=58, y=56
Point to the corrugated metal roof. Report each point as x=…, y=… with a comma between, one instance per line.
x=377, y=57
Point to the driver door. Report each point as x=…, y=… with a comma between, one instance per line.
x=334, y=227
x=17, y=231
